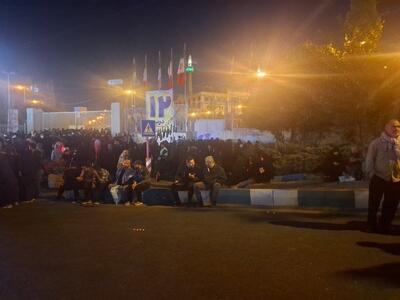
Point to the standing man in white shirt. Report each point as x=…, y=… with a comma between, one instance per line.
x=383, y=168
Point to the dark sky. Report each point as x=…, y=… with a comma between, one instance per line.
x=80, y=44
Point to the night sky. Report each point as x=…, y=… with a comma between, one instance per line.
x=80, y=44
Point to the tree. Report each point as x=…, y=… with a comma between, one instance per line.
x=347, y=89
x=363, y=28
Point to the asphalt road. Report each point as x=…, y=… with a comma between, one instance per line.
x=51, y=250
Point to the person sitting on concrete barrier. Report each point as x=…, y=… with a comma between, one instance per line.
x=101, y=193
x=250, y=172
x=187, y=175
x=124, y=178
x=88, y=177
x=69, y=182
x=383, y=168
x=213, y=178
x=140, y=182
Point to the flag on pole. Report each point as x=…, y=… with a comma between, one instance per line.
x=145, y=72
x=181, y=72
x=134, y=75
x=159, y=71
x=170, y=73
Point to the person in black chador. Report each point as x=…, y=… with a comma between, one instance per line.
x=334, y=165
x=186, y=176
x=8, y=181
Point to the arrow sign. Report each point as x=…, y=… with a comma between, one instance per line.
x=115, y=82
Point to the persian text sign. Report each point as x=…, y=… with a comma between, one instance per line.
x=160, y=108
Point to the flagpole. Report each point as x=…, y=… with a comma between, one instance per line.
x=172, y=68
x=134, y=83
x=145, y=73
x=159, y=70
x=185, y=91
x=133, y=96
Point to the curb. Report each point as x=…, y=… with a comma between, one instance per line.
x=339, y=199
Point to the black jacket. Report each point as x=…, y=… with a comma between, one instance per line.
x=216, y=174
x=182, y=175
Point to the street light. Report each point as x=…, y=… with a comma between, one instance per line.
x=260, y=73
x=22, y=88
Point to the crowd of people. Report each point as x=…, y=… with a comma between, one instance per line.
x=112, y=169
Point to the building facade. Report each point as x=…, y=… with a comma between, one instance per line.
x=217, y=105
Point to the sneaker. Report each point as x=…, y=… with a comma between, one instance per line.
x=8, y=206
x=96, y=203
x=139, y=203
x=127, y=203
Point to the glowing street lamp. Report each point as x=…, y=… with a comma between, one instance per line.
x=36, y=102
x=260, y=73
x=20, y=87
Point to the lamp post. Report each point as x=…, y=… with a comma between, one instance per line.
x=9, y=105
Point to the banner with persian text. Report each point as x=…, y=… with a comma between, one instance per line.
x=160, y=108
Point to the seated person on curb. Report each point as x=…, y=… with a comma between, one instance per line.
x=101, y=192
x=213, y=178
x=70, y=182
x=89, y=177
x=137, y=184
x=187, y=174
x=250, y=173
x=259, y=170
x=124, y=178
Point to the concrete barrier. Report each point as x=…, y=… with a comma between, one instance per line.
x=288, y=198
x=262, y=197
x=361, y=199
x=270, y=198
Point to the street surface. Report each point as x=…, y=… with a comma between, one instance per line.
x=57, y=250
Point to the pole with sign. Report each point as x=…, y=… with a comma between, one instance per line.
x=148, y=130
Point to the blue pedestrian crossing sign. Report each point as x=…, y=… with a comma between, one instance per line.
x=148, y=128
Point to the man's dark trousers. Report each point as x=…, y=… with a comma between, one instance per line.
x=182, y=186
x=390, y=191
